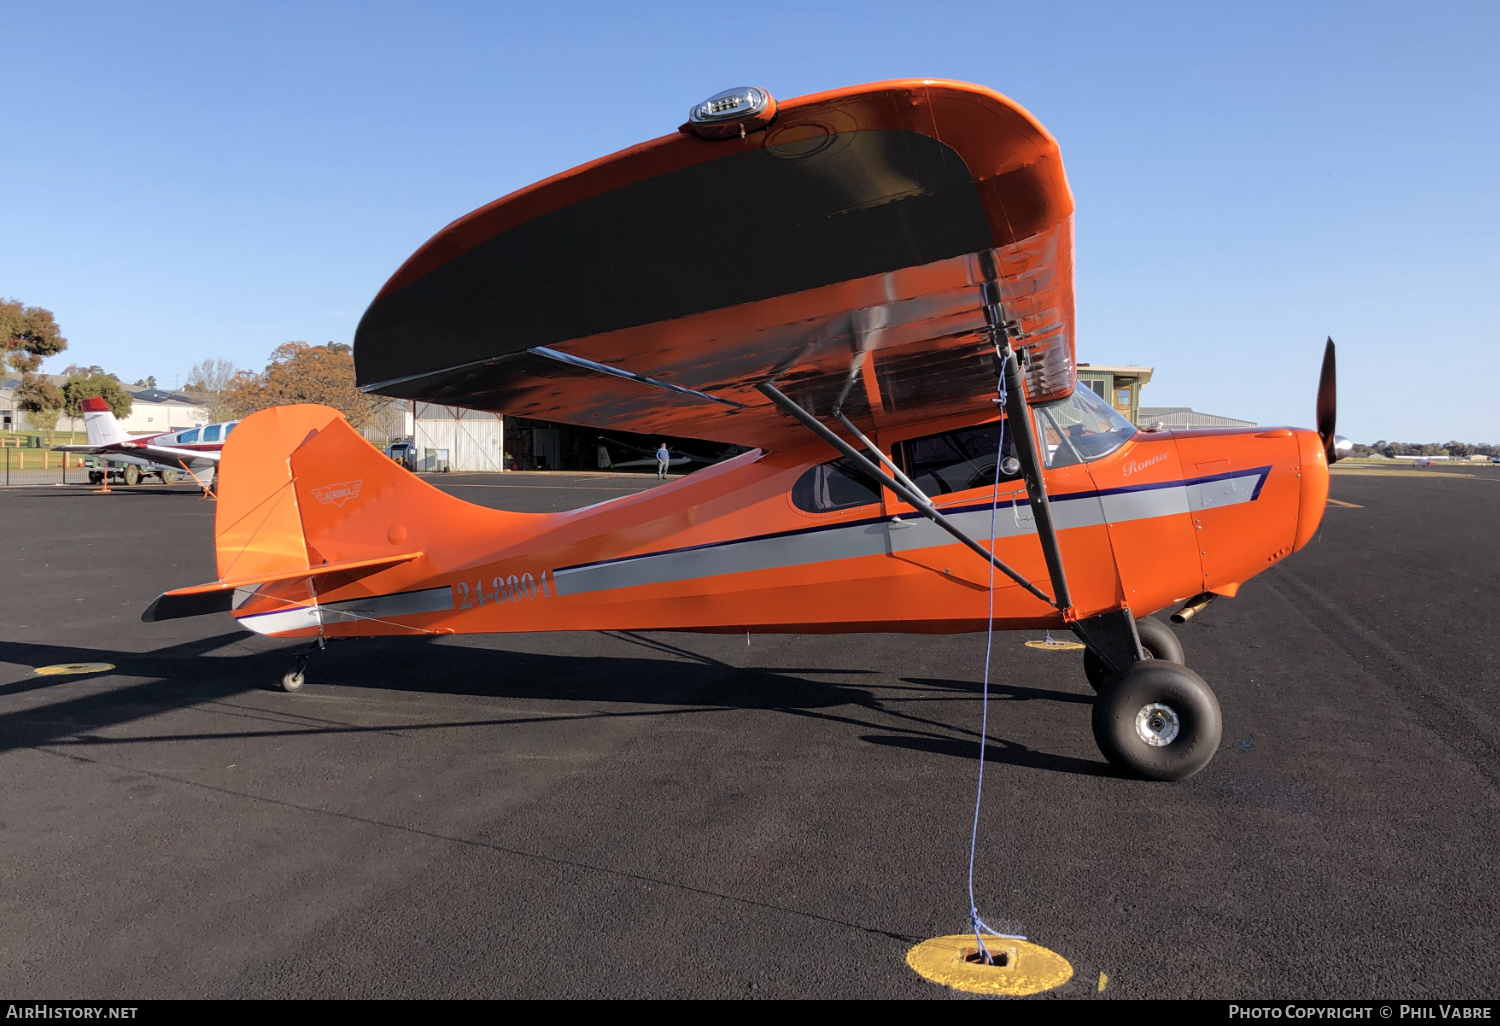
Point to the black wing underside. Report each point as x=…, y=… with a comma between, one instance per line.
x=849, y=269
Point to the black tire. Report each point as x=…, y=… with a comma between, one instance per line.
x=1157, y=641
x=293, y=680
x=132, y=475
x=1155, y=699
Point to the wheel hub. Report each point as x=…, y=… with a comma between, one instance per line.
x=1157, y=724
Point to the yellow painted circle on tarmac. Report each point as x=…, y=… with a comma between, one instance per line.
x=1029, y=968
x=61, y=668
x=1055, y=646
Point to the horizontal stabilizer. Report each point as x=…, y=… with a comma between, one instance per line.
x=173, y=605
x=218, y=596
x=166, y=454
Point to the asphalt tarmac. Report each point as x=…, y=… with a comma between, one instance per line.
x=665, y=815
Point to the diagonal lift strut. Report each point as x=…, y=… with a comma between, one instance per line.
x=910, y=493
x=1112, y=636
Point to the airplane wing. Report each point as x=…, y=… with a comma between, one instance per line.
x=168, y=454
x=854, y=252
x=163, y=454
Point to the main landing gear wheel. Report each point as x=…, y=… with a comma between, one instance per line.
x=1157, y=720
x=293, y=680
x=1157, y=641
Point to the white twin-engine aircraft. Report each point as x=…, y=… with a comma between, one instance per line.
x=193, y=451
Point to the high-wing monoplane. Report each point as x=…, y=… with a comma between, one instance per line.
x=872, y=289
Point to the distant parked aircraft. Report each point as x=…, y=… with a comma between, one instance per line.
x=163, y=454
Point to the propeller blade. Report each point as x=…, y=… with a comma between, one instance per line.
x=1328, y=402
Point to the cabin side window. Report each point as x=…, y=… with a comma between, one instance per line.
x=211, y=433
x=188, y=437
x=833, y=486
x=953, y=461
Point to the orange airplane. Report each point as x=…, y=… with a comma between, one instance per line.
x=873, y=287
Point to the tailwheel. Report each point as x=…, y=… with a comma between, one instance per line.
x=294, y=678
x=1157, y=720
x=1157, y=641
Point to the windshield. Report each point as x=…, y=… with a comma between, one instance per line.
x=1080, y=428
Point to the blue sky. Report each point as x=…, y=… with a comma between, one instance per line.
x=204, y=180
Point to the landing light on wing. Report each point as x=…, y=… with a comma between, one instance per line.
x=734, y=112
x=730, y=105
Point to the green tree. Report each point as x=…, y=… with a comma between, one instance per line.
x=29, y=334
x=302, y=373
x=93, y=383
x=45, y=419
x=42, y=401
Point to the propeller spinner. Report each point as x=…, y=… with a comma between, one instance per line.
x=1335, y=446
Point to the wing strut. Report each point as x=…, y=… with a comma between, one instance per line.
x=1111, y=636
x=620, y=372
x=901, y=487
x=1023, y=430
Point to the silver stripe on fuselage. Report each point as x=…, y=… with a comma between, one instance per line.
x=1224, y=491
x=429, y=600
x=903, y=534
x=376, y=607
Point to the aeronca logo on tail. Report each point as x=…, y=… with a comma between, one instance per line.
x=338, y=494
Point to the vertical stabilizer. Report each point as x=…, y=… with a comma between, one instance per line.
x=257, y=528
x=100, y=423
x=301, y=492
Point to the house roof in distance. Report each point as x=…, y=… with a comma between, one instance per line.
x=161, y=395
x=1186, y=417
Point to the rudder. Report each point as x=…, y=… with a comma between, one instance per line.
x=257, y=529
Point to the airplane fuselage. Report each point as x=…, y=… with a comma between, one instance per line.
x=1164, y=517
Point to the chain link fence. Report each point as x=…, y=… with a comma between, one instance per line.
x=25, y=466
x=28, y=466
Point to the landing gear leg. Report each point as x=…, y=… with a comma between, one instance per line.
x=1154, y=718
x=1157, y=642
x=294, y=678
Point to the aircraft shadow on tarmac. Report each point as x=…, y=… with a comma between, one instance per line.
x=188, y=674
x=1002, y=692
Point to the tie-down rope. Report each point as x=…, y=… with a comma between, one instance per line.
x=978, y=925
